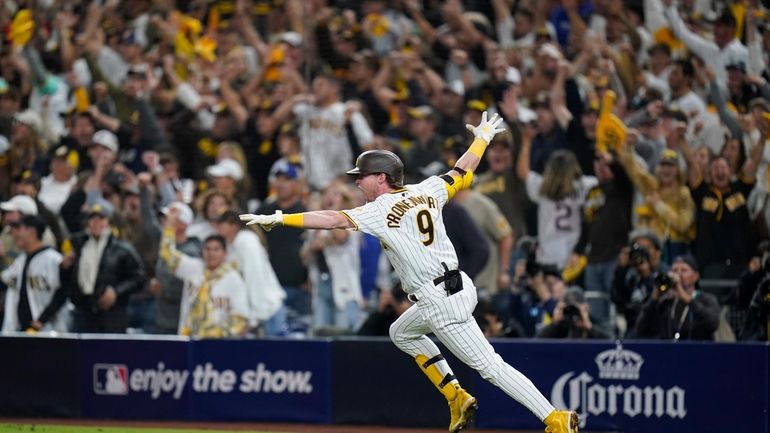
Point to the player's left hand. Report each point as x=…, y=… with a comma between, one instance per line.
x=266, y=221
x=487, y=128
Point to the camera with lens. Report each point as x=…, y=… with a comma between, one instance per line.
x=528, y=245
x=663, y=282
x=571, y=313
x=638, y=255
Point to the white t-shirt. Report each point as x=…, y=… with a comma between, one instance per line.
x=326, y=151
x=264, y=292
x=53, y=194
x=409, y=226
x=558, y=222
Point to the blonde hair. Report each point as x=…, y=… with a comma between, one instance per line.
x=561, y=172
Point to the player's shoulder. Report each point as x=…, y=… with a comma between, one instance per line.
x=51, y=254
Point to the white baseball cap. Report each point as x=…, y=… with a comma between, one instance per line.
x=20, y=203
x=30, y=118
x=226, y=168
x=185, y=215
x=292, y=38
x=107, y=139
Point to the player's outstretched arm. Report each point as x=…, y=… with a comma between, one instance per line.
x=461, y=176
x=483, y=134
x=321, y=219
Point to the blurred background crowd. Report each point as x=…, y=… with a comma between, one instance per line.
x=133, y=133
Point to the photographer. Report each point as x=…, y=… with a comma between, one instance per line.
x=535, y=290
x=571, y=319
x=752, y=297
x=676, y=309
x=634, y=280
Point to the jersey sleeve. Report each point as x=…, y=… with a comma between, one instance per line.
x=53, y=261
x=189, y=269
x=436, y=187
x=534, y=182
x=301, y=109
x=367, y=218
x=9, y=274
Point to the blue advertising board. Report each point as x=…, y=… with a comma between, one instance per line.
x=637, y=387
x=270, y=380
x=134, y=378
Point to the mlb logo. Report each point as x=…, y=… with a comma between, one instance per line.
x=110, y=379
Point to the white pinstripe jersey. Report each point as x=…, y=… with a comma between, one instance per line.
x=409, y=226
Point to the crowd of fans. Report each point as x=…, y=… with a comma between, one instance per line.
x=132, y=134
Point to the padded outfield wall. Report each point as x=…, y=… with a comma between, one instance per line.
x=633, y=387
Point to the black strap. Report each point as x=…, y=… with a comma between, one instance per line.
x=453, y=279
x=23, y=310
x=433, y=360
x=459, y=170
x=448, y=378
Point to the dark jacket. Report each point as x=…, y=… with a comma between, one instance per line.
x=119, y=267
x=700, y=323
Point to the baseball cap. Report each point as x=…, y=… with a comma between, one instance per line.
x=550, y=50
x=645, y=234
x=139, y=71
x=30, y=118
x=421, y=112
x=185, y=215
x=669, y=156
x=292, y=38
x=688, y=259
x=477, y=105
x=100, y=207
x=29, y=177
x=226, y=168
x=107, y=139
x=760, y=102
x=20, y=203
x=283, y=167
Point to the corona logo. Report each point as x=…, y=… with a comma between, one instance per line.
x=619, y=364
x=580, y=391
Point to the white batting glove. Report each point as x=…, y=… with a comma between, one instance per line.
x=487, y=128
x=266, y=221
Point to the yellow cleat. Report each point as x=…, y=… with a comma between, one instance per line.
x=561, y=421
x=461, y=409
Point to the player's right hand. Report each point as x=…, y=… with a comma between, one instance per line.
x=487, y=128
x=266, y=221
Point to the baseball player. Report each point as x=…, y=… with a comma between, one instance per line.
x=407, y=221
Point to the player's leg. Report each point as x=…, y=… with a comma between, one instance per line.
x=466, y=341
x=408, y=334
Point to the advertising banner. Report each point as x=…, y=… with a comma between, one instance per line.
x=270, y=380
x=134, y=378
x=637, y=386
